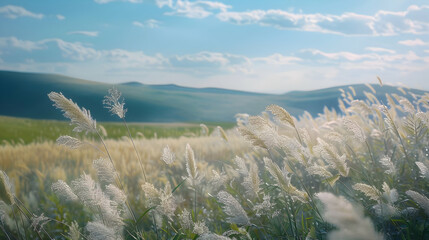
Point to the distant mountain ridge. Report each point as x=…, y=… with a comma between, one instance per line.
x=25, y=95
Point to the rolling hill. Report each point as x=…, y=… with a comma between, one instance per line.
x=25, y=95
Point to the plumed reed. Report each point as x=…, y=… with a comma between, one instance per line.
x=222, y=133
x=252, y=182
x=185, y=220
x=369, y=191
x=105, y=170
x=6, y=194
x=281, y=114
x=421, y=200
x=200, y=228
x=70, y=142
x=37, y=222
x=424, y=170
x=74, y=231
x=79, y=117
x=388, y=165
x=212, y=236
x=98, y=231
x=191, y=165
x=63, y=191
x=350, y=222
x=115, y=103
x=233, y=209
x=167, y=155
x=283, y=181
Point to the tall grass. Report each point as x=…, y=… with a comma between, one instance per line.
x=358, y=174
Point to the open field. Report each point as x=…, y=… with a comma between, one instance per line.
x=361, y=173
x=23, y=130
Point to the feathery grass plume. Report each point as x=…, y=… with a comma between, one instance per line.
x=424, y=171
x=401, y=90
x=6, y=194
x=105, y=170
x=74, y=231
x=421, y=200
x=191, y=165
x=200, y=228
x=379, y=81
x=252, y=182
x=361, y=107
x=204, y=130
x=242, y=168
x=328, y=153
x=168, y=203
x=265, y=207
x=93, y=197
x=218, y=180
x=385, y=208
x=355, y=129
x=167, y=155
x=283, y=181
x=115, y=103
x=222, y=133
x=242, y=119
x=281, y=114
x=392, y=105
x=103, y=130
x=342, y=106
x=99, y=231
x=4, y=212
x=70, y=142
x=353, y=90
x=407, y=106
x=212, y=236
x=63, y=191
x=152, y=194
x=80, y=117
x=370, y=87
x=389, y=195
x=233, y=209
x=163, y=200
x=319, y=170
x=37, y=222
x=185, y=220
x=371, y=97
x=351, y=224
x=334, y=137
x=116, y=194
x=252, y=137
x=369, y=191
x=388, y=165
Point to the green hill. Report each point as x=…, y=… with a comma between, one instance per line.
x=25, y=95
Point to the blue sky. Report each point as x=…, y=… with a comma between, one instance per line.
x=264, y=46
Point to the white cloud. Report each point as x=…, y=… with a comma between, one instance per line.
x=11, y=11
x=108, y=1
x=60, y=17
x=307, y=69
x=378, y=49
x=195, y=9
x=212, y=63
x=414, y=20
x=85, y=33
x=14, y=42
x=278, y=59
x=151, y=23
x=413, y=43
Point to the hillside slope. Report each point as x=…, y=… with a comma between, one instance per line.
x=25, y=95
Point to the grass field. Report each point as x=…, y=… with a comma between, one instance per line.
x=23, y=130
x=359, y=174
